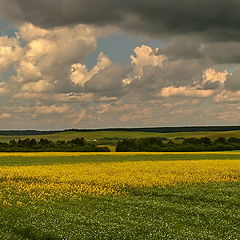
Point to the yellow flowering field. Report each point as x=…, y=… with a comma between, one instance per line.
x=74, y=180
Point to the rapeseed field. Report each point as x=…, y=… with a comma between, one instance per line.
x=137, y=196
x=101, y=179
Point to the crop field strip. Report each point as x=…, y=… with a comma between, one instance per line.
x=41, y=158
x=138, y=196
x=73, y=180
x=113, y=176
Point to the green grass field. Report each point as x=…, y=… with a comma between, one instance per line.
x=87, y=135
x=196, y=211
x=122, y=134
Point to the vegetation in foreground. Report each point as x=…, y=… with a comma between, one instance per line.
x=121, y=200
x=192, y=212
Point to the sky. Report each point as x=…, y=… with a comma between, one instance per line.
x=119, y=63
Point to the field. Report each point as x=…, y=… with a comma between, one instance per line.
x=111, y=138
x=100, y=135
x=87, y=135
x=73, y=196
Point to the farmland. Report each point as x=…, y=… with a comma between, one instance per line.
x=101, y=135
x=110, y=139
x=119, y=195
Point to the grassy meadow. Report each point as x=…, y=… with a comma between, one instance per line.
x=73, y=196
x=87, y=135
x=100, y=135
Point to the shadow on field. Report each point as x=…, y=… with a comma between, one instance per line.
x=30, y=233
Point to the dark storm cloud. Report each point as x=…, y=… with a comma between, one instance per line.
x=211, y=85
x=183, y=47
x=233, y=82
x=192, y=47
x=222, y=52
x=213, y=17
x=108, y=82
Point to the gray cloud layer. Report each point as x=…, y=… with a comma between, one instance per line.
x=219, y=18
x=192, y=79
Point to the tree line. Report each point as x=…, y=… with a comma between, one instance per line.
x=151, y=144
x=155, y=144
x=45, y=145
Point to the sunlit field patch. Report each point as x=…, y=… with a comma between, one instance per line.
x=100, y=179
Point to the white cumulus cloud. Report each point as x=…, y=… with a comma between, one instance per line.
x=80, y=74
x=185, y=92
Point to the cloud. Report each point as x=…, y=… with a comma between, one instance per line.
x=44, y=109
x=5, y=115
x=27, y=71
x=10, y=52
x=146, y=56
x=80, y=116
x=171, y=73
x=231, y=115
x=233, y=81
x=39, y=86
x=196, y=46
x=55, y=97
x=29, y=32
x=213, y=76
x=45, y=75
x=221, y=51
x=52, y=50
x=80, y=74
x=108, y=82
x=73, y=97
x=42, y=58
x=3, y=88
x=216, y=18
x=227, y=97
x=184, y=47
x=185, y=92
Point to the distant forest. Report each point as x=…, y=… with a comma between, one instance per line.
x=45, y=145
x=150, y=144
x=186, y=145
x=151, y=129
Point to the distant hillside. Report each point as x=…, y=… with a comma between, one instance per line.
x=151, y=129
x=25, y=132
x=166, y=129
